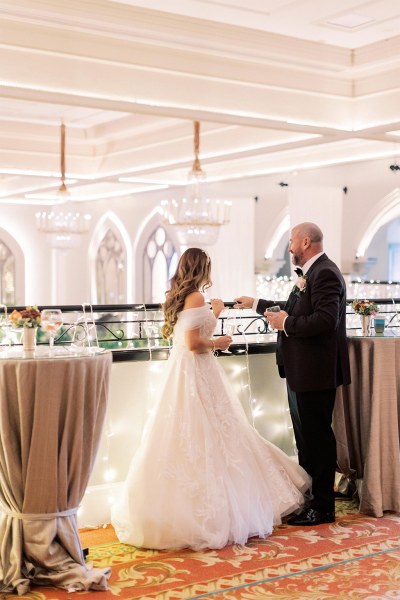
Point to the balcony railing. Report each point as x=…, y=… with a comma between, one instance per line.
x=137, y=328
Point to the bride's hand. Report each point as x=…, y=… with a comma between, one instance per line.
x=223, y=342
x=217, y=306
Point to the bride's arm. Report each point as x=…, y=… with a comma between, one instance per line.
x=194, y=341
x=217, y=306
x=198, y=345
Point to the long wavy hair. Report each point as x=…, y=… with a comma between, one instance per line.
x=192, y=274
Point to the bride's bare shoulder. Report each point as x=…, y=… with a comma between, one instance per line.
x=194, y=300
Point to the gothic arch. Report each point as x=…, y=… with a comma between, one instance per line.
x=386, y=210
x=280, y=227
x=149, y=226
x=274, y=256
x=110, y=244
x=19, y=266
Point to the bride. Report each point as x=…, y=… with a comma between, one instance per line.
x=203, y=477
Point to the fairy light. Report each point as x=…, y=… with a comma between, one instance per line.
x=247, y=369
x=279, y=288
x=257, y=412
x=110, y=474
x=236, y=370
x=275, y=288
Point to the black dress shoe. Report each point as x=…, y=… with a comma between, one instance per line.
x=310, y=516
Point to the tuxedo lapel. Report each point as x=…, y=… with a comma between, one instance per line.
x=290, y=302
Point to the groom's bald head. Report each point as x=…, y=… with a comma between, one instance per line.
x=305, y=241
x=311, y=231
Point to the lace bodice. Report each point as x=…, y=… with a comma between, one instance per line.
x=193, y=318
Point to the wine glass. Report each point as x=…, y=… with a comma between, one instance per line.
x=51, y=321
x=5, y=326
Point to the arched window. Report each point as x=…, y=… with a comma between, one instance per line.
x=394, y=261
x=160, y=260
x=7, y=275
x=383, y=253
x=111, y=270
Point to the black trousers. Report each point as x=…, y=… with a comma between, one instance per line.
x=311, y=414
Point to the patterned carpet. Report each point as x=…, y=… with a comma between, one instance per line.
x=355, y=558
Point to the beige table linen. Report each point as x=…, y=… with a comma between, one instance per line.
x=52, y=412
x=366, y=423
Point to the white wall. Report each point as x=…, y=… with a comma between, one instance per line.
x=232, y=257
x=321, y=205
x=241, y=245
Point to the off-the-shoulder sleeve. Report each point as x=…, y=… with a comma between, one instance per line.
x=192, y=318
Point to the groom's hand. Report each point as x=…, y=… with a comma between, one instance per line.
x=276, y=319
x=243, y=302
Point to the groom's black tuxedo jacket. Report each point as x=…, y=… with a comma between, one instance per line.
x=314, y=355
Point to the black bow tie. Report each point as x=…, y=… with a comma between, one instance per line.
x=298, y=271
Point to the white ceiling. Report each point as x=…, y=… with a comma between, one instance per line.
x=349, y=24
x=277, y=87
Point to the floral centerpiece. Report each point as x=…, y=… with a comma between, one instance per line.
x=29, y=317
x=364, y=307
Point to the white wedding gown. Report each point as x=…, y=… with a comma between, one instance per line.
x=203, y=477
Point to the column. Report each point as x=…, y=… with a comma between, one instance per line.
x=324, y=207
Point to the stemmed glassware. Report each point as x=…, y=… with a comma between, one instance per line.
x=230, y=328
x=5, y=326
x=51, y=321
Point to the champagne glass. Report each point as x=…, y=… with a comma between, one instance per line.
x=230, y=328
x=5, y=341
x=51, y=321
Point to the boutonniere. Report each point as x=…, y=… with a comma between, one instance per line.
x=300, y=285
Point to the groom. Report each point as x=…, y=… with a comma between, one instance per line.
x=312, y=354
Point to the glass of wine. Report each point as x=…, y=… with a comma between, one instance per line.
x=51, y=321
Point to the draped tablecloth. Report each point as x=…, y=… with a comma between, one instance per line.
x=51, y=415
x=366, y=423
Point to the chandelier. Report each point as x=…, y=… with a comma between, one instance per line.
x=196, y=218
x=63, y=227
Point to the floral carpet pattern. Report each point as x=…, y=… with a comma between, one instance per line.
x=355, y=558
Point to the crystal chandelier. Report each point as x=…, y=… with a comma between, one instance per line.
x=196, y=217
x=63, y=227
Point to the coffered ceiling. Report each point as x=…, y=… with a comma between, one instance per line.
x=278, y=86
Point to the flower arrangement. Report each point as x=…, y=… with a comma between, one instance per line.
x=29, y=317
x=300, y=285
x=364, y=307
